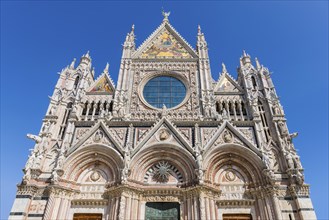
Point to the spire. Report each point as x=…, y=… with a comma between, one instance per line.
x=87, y=55
x=93, y=71
x=245, y=59
x=72, y=64
x=106, y=70
x=224, y=70
x=132, y=29
x=165, y=16
x=244, y=53
x=201, y=37
x=258, y=66
x=86, y=59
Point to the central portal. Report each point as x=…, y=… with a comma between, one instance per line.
x=162, y=211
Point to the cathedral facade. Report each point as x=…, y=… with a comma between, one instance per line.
x=167, y=142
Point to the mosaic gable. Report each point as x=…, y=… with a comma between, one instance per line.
x=102, y=86
x=166, y=46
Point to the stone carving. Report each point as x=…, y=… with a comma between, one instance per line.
x=283, y=129
x=228, y=137
x=276, y=109
x=161, y=172
x=53, y=110
x=224, y=114
x=126, y=171
x=36, y=138
x=249, y=134
x=94, y=176
x=208, y=101
x=230, y=175
x=164, y=111
x=163, y=135
x=98, y=136
x=46, y=127
x=121, y=103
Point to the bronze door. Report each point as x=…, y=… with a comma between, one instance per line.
x=162, y=211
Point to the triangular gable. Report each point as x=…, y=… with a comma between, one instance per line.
x=159, y=131
x=226, y=133
x=165, y=43
x=99, y=134
x=103, y=85
x=226, y=84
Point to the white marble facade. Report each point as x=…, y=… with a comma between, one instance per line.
x=213, y=147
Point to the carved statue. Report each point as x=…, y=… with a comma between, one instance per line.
x=164, y=111
x=163, y=135
x=276, y=109
x=200, y=174
x=46, y=127
x=124, y=175
x=227, y=137
x=290, y=161
x=58, y=95
x=55, y=176
x=266, y=160
x=121, y=103
x=36, y=138
x=52, y=110
x=98, y=136
x=224, y=114
x=283, y=129
x=299, y=178
x=60, y=161
x=37, y=160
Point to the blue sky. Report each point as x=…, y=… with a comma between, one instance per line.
x=39, y=38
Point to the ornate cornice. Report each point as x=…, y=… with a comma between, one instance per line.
x=102, y=202
x=235, y=203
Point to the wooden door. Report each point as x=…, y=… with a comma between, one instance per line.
x=87, y=216
x=237, y=217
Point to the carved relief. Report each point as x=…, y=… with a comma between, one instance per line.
x=163, y=134
x=95, y=176
x=227, y=137
x=207, y=134
x=98, y=136
x=248, y=133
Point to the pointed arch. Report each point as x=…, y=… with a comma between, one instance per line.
x=91, y=156
x=182, y=160
x=234, y=155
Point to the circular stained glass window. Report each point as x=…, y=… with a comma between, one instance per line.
x=164, y=90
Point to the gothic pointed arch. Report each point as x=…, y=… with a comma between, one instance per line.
x=93, y=157
x=179, y=164
x=227, y=154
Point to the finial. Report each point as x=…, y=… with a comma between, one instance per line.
x=165, y=15
x=258, y=66
x=244, y=53
x=132, y=28
x=72, y=64
x=224, y=70
x=87, y=55
x=199, y=29
x=106, y=70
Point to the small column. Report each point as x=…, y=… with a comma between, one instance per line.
x=101, y=109
x=234, y=111
x=87, y=112
x=227, y=110
x=240, y=110
x=94, y=110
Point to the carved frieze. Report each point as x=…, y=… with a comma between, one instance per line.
x=248, y=133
